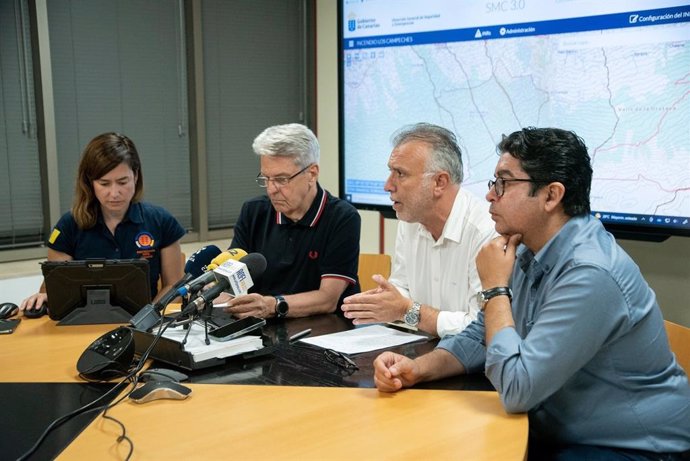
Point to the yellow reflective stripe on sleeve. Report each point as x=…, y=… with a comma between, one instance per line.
x=54, y=235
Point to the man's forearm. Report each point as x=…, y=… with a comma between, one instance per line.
x=497, y=315
x=438, y=364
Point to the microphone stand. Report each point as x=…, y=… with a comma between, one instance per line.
x=187, y=324
x=206, y=314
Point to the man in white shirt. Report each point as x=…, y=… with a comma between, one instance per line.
x=442, y=228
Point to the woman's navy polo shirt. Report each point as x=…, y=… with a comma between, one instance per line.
x=145, y=230
x=323, y=244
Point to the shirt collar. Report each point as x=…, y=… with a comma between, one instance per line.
x=452, y=230
x=313, y=215
x=134, y=214
x=553, y=251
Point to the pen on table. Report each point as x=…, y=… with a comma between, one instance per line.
x=300, y=335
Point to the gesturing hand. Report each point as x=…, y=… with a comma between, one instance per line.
x=381, y=304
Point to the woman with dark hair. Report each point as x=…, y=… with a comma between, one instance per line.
x=108, y=220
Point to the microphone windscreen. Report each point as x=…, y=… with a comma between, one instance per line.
x=256, y=264
x=231, y=253
x=237, y=253
x=197, y=262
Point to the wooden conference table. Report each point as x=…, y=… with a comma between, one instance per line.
x=292, y=404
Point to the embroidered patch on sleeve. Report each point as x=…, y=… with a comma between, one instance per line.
x=54, y=235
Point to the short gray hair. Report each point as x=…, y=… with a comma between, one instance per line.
x=445, y=151
x=292, y=140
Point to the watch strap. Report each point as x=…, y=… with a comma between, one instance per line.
x=486, y=295
x=282, y=307
x=412, y=315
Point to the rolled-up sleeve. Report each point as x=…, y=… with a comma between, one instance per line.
x=579, y=311
x=468, y=346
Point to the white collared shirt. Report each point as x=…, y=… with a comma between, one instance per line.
x=443, y=273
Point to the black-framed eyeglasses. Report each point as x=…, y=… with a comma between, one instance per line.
x=499, y=184
x=340, y=359
x=279, y=181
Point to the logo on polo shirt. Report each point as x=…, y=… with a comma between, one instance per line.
x=313, y=254
x=144, y=241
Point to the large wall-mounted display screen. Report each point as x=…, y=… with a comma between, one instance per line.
x=615, y=72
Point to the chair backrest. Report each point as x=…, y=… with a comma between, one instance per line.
x=370, y=264
x=679, y=338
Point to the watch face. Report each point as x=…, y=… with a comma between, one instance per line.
x=479, y=298
x=281, y=307
x=412, y=316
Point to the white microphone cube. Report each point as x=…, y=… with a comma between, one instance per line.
x=237, y=276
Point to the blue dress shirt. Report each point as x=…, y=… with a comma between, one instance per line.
x=588, y=358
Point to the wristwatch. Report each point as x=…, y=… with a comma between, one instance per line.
x=282, y=307
x=483, y=297
x=412, y=315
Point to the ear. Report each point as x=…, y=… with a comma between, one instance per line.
x=441, y=182
x=314, y=171
x=554, y=193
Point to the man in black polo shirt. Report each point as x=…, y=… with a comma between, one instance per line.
x=310, y=238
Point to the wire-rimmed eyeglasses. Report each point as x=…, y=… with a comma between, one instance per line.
x=499, y=184
x=340, y=359
x=279, y=181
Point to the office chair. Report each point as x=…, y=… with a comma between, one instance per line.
x=679, y=339
x=370, y=264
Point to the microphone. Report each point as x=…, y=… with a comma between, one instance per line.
x=195, y=267
x=235, y=253
x=208, y=277
x=235, y=276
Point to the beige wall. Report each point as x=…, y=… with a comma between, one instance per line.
x=666, y=266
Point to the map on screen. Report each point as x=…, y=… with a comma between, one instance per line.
x=617, y=74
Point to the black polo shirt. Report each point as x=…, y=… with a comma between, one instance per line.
x=145, y=230
x=323, y=244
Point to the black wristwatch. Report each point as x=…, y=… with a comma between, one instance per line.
x=282, y=307
x=484, y=296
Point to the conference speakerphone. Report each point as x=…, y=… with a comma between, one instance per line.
x=108, y=357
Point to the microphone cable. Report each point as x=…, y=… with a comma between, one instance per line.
x=130, y=378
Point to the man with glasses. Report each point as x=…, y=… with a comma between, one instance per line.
x=441, y=229
x=310, y=238
x=569, y=332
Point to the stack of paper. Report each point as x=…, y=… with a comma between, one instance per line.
x=196, y=343
x=364, y=339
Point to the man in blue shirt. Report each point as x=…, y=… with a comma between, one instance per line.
x=580, y=342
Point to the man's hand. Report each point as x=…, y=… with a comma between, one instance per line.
x=251, y=304
x=393, y=371
x=496, y=259
x=381, y=304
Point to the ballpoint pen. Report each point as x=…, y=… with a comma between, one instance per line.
x=299, y=335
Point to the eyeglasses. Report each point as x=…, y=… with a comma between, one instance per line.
x=340, y=359
x=279, y=181
x=500, y=184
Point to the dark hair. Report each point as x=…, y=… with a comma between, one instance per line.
x=445, y=152
x=102, y=154
x=553, y=155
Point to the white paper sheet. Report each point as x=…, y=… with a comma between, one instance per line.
x=363, y=339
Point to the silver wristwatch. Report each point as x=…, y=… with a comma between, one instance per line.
x=412, y=315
